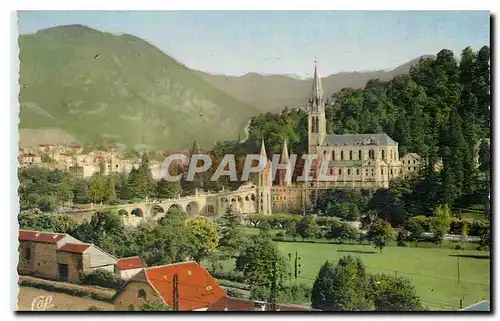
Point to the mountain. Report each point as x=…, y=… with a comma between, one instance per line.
x=274, y=92
x=80, y=84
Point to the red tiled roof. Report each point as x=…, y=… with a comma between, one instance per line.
x=129, y=263
x=197, y=288
x=74, y=248
x=41, y=237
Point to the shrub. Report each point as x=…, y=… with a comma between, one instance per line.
x=234, y=276
x=101, y=277
x=459, y=247
x=234, y=293
x=478, y=228
x=280, y=234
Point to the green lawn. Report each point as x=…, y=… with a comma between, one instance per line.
x=474, y=215
x=433, y=271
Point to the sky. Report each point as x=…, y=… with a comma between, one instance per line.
x=284, y=42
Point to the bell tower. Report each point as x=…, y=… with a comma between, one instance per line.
x=316, y=115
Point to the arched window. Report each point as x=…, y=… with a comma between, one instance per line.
x=333, y=155
x=383, y=154
x=317, y=124
x=141, y=294
x=392, y=154
x=341, y=155
x=360, y=155
x=371, y=154
x=340, y=171
x=350, y=154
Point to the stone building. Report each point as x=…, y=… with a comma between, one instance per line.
x=59, y=256
x=410, y=164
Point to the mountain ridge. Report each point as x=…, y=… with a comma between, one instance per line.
x=275, y=91
x=105, y=88
x=98, y=87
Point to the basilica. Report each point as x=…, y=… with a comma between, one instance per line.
x=357, y=161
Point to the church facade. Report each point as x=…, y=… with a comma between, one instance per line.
x=357, y=161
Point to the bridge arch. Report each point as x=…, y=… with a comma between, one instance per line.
x=192, y=209
x=157, y=209
x=175, y=207
x=137, y=212
x=122, y=212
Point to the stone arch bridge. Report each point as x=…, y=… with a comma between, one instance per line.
x=211, y=205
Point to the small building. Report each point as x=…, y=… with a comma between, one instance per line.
x=83, y=171
x=410, y=164
x=58, y=256
x=197, y=289
x=126, y=268
x=30, y=159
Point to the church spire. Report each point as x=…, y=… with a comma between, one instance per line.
x=263, y=148
x=317, y=90
x=284, y=153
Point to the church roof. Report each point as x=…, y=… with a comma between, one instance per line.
x=358, y=139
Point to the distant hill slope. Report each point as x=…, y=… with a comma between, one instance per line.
x=274, y=92
x=98, y=87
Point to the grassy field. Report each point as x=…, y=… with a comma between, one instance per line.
x=433, y=271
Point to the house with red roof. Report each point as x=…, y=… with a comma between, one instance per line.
x=59, y=256
x=127, y=267
x=197, y=289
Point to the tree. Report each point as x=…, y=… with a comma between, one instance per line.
x=57, y=223
x=166, y=189
x=64, y=193
x=415, y=227
x=198, y=182
x=97, y=187
x=232, y=240
x=342, y=230
x=101, y=225
x=307, y=227
x=154, y=304
x=381, y=233
x=257, y=259
x=485, y=239
x=207, y=234
x=440, y=222
x=341, y=288
x=81, y=193
x=110, y=192
x=484, y=157
x=390, y=293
